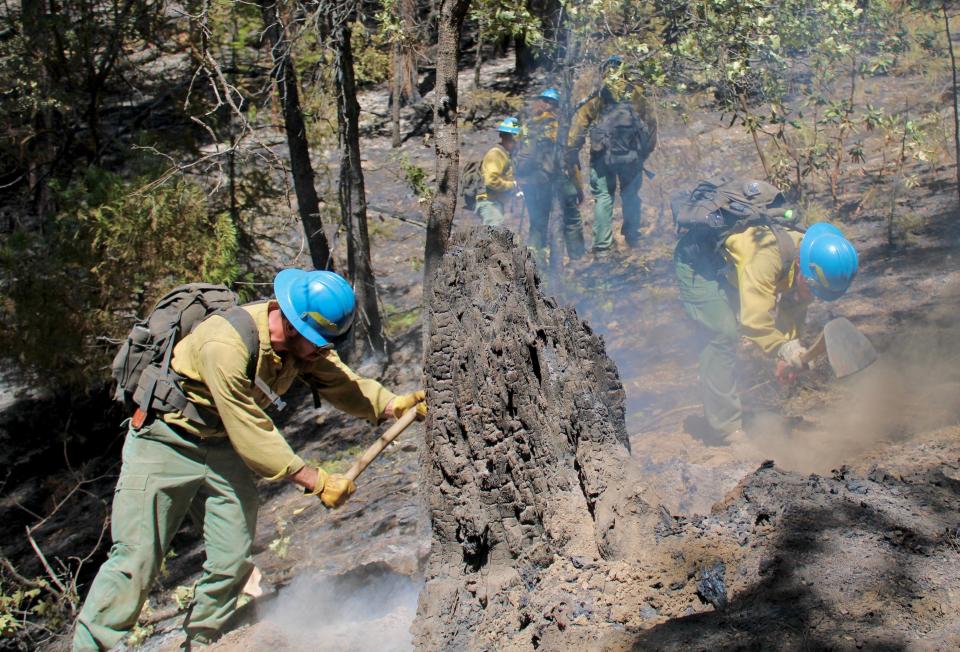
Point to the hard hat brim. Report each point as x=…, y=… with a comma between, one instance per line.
x=283, y=286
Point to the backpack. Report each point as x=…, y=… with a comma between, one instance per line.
x=719, y=207
x=472, y=183
x=141, y=367
x=621, y=136
x=535, y=156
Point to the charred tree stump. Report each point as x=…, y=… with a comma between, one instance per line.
x=526, y=460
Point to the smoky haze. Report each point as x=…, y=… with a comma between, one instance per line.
x=368, y=609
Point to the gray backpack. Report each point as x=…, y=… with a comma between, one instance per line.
x=719, y=207
x=141, y=367
x=620, y=136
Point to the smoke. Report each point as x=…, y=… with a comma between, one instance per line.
x=914, y=388
x=371, y=608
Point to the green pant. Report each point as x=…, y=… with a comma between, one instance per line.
x=709, y=300
x=162, y=477
x=603, y=184
x=538, y=198
x=490, y=212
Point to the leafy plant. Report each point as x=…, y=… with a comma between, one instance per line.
x=113, y=248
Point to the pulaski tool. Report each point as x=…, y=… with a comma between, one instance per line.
x=377, y=447
x=847, y=349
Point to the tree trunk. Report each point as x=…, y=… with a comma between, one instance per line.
x=956, y=97
x=395, y=97
x=478, y=60
x=285, y=78
x=450, y=17
x=367, y=338
x=42, y=151
x=526, y=459
x=409, y=91
x=524, y=60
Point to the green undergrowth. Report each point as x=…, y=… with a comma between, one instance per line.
x=71, y=290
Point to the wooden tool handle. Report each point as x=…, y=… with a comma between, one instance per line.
x=818, y=349
x=377, y=447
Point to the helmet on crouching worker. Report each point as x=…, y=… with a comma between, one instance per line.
x=828, y=261
x=320, y=305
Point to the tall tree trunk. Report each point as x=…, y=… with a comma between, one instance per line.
x=478, y=60
x=450, y=17
x=523, y=60
x=395, y=97
x=42, y=151
x=283, y=74
x=405, y=89
x=409, y=91
x=368, y=337
x=956, y=97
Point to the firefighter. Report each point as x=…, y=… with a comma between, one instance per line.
x=171, y=464
x=540, y=172
x=768, y=276
x=623, y=133
x=497, y=172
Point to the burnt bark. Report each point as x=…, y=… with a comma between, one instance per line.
x=367, y=336
x=526, y=459
x=285, y=78
x=450, y=16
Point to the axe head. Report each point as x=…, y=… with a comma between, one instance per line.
x=848, y=350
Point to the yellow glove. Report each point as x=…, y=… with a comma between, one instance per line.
x=403, y=403
x=333, y=488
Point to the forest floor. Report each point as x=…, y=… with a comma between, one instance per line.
x=886, y=440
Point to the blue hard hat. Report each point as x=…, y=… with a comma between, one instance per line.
x=509, y=126
x=319, y=304
x=827, y=260
x=551, y=94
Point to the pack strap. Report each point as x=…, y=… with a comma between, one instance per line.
x=160, y=390
x=242, y=322
x=786, y=245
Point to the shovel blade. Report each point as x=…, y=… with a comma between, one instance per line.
x=848, y=350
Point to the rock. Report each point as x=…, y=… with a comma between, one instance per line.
x=711, y=587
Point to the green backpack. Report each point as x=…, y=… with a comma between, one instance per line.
x=141, y=367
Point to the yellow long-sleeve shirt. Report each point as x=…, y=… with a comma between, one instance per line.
x=497, y=171
x=770, y=311
x=213, y=361
x=593, y=108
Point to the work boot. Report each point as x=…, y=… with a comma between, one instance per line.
x=698, y=427
x=602, y=256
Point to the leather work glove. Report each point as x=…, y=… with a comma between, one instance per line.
x=416, y=399
x=791, y=352
x=786, y=375
x=333, y=488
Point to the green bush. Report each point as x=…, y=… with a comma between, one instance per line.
x=69, y=292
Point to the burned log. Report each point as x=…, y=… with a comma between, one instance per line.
x=526, y=462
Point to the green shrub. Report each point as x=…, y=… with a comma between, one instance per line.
x=69, y=292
